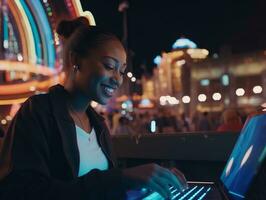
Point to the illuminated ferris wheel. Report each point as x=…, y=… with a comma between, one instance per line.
x=30, y=49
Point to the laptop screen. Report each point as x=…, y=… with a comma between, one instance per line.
x=246, y=158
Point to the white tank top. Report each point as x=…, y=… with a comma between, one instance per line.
x=90, y=153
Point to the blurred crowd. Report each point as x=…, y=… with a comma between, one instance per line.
x=167, y=121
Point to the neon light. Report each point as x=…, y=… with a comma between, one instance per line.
x=15, y=12
x=46, y=32
x=79, y=11
x=26, y=67
x=35, y=32
x=26, y=87
x=176, y=195
x=12, y=101
x=235, y=194
x=157, y=60
x=263, y=155
x=204, y=194
x=225, y=80
x=153, y=196
x=153, y=126
x=183, y=43
x=229, y=166
x=5, y=30
x=23, y=88
x=194, y=195
x=246, y=156
x=29, y=34
x=183, y=197
x=205, y=82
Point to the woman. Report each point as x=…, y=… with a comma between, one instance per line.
x=58, y=147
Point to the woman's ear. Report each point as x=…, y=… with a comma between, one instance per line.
x=74, y=60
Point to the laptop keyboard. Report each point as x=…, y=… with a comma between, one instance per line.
x=192, y=193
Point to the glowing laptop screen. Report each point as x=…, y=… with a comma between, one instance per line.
x=246, y=158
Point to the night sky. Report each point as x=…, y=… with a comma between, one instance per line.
x=153, y=26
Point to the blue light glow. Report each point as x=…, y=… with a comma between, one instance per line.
x=153, y=126
x=235, y=194
x=184, y=43
x=145, y=102
x=205, y=82
x=191, y=190
x=37, y=41
x=127, y=105
x=5, y=27
x=192, y=197
x=46, y=32
x=157, y=60
x=239, y=173
x=225, y=80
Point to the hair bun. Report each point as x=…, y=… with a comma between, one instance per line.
x=65, y=28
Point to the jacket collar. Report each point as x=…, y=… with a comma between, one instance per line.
x=66, y=126
x=59, y=96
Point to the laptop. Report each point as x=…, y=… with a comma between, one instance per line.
x=243, y=166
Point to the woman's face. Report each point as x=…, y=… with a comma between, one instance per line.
x=101, y=73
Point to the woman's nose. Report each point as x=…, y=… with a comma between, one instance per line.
x=117, y=79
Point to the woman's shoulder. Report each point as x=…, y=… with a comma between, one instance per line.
x=36, y=103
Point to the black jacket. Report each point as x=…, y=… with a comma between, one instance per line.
x=39, y=157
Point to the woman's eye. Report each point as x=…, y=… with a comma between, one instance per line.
x=107, y=66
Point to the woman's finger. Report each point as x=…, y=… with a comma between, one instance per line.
x=153, y=185
x=181, y=176
x=164, y=184
x=172, y=179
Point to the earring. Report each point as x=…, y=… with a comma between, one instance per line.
x=75, y=68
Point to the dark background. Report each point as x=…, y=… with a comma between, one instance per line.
x=153, y=26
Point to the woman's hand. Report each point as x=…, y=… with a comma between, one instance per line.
x=154, y=177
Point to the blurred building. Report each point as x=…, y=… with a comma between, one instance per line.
x=186, y=79
x=229, y=81
x=171, y=78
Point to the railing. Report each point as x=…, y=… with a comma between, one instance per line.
x=200, y=155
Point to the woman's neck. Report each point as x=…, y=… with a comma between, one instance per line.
x=77, y=100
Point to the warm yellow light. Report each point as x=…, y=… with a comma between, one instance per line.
x=26, y=67
x=202, y=97
x=186, y=99
x=19, y=57
x=205, y=52
x=12, y=101
x=3, y=121
x=180, y=62
x=25, y=87
x=257, y=89
x=216, y=96
x=129, y=75
x=240, y=92
x=94, y=104
x=79, y=10
x=32, y=88
x=198, y=53
x=175, y=54
x=8, y=118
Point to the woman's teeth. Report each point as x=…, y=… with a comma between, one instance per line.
x=109, y=90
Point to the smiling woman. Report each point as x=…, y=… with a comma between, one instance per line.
x=58, y=147
x=94, y=60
